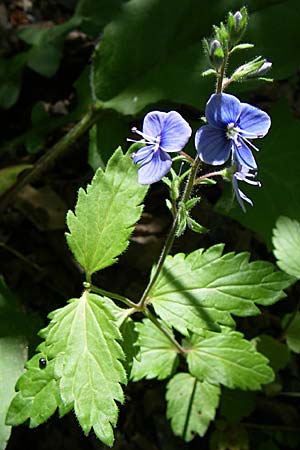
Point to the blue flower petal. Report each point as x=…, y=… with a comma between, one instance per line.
x=153, y=123
x=175, y=133
x=212, y=145
x=254, y=121
x=240, y=196
x=155, y=169
x=144, y=154
x=244, y=155
x=222, y=109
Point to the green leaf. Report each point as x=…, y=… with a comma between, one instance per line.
x=165, y=64
x=11, y=79
x=47, y=45
x=95, y=15
x=286, y=240
x=191, y=405
x=157, y=357
x=292, y=333
x=9, y=175
x=83, y=370
x=82, y=338
x=195, y=226
x=278, y=173
x=235, y=405
x=203, y=289
x=37, y=395
x=276, y=352
x=226, y=358
x=105, y=214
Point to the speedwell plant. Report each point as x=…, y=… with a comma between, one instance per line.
x=185, y=330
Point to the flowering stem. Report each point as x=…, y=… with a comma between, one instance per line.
x=208, y=175
x=171, y=236
x=221, y=74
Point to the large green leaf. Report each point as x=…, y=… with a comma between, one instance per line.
x=286, y=240
x=278, y=162
x=226, y=358
x=203, y=289
x=157, y=357
x=292, y=332
x=84, y=369
x=166, y=63
x=191, y=405
x=105, y=214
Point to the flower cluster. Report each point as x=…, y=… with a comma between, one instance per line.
x=231, y=125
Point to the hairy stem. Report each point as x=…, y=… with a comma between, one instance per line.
x=165, y=331
x=52, y=154
x=109, y=294
x=221, y=74
x=171, y=236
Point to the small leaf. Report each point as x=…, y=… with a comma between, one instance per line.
x=226, y=358
x=157, y=357
x=292, y=333
x=276, y=352
x=191, y=405
x=37, y=395
x=195, y=226
x=209, y=72
x=105, y=214
x=203, y=289
x=241, y=47
x=236, y=404
x=286, y=240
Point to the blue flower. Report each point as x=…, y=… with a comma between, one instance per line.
x=230, y=126
x=243, y=174
x=162, y=133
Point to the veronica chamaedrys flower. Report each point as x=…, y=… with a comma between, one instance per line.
x=243, y=174
x=230, y=125
x=162, y=133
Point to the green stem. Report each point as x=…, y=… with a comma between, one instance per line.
x=52, y=154
x=221, y=74
x=171, y=236
x=208, y=175
x=109, y=294
x=165, y=331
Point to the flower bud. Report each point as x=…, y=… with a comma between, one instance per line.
x=237, y=24
x=216, y=53
x=261, y=71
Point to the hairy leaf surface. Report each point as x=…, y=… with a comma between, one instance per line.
x=191, y=405
x=286, y=240
x=226, y=358
x=203, y=289
x=157, y=357
x=105, y=214
x=84, y=369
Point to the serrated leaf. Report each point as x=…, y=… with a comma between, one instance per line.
x=203, y=289
x=37, y=395
x=236, y=404
x=105, y=214
x=191, y=405
x=229, y=359
x=286, y=240
x=292, y=334
x=276, y=352
x=82, y=338
x=157, y=357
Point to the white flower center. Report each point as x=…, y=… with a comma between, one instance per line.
x=232, y=131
